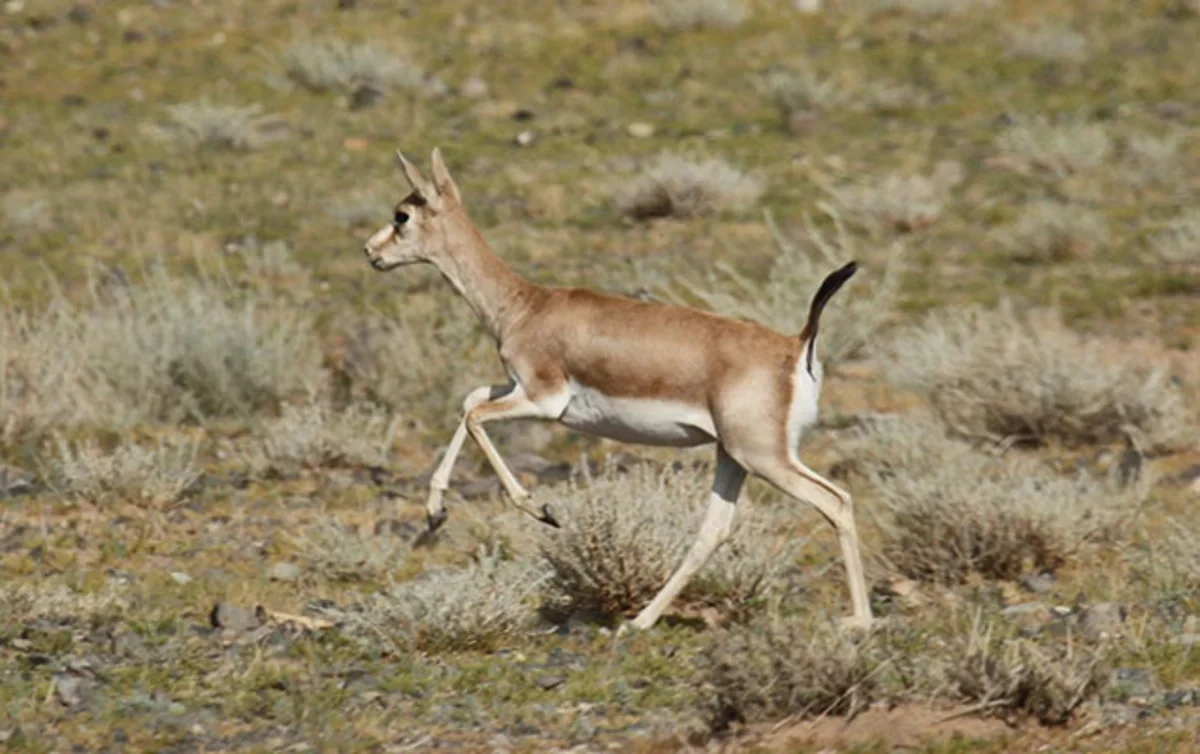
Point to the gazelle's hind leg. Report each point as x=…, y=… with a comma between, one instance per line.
x=718, y=523
x=835, y=504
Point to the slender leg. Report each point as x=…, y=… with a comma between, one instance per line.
x=836, y=505
x=515, y=405
x=718, y=523
x=435, y=509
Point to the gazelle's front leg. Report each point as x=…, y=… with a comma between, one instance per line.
x=435, y=509
x=514, y=405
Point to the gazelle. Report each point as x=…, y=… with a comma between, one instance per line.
x=628, y=370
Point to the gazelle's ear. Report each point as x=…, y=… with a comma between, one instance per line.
x=442, y=180
x=421, y=186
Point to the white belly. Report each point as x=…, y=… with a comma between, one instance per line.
x=637, y=420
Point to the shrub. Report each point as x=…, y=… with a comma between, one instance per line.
x=472, y=608
x=26, y=212
x=26, y=603
x=1050, y=42
x=803, y=91
x=623, y=536
x=1170, y=558
x=347, y=554
x=1154, y=159
x=1047, y=231
x=337, y=65
x=1180, y=242
x=414, y=363
x=155, y=476
x=314, y=436
x=697, y=14
x=781, y=302
x=38, y=379
x=893, y=203
x=1063, y=149
x=947, y=510
x=1020, y=677
x=992, y=373
x=205, y=124
x=674, y=186
x=928, y=7
x=781, y=667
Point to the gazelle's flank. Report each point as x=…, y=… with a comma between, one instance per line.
x=628, y=370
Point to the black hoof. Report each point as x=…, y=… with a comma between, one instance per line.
x=548, y=517
x=435, y=520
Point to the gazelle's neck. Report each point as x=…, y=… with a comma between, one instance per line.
x=497, y=295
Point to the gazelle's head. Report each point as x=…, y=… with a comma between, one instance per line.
x=419, y=230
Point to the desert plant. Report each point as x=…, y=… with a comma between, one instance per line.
x=334, y=64
x=994, y=373
x=155, y=476
x=345, y=553
x=999, y=675
x=1064, y=148
x=624, y=534
x=781, y=667
x=471, y=608
x=206, y=124
x=781, y=302
x=314, y=435
x=901, y=203
x=697, y=14
x=803, y=90
x=1180, y=241
x=674, y=186
x=1152, y=158
x=1049, y=231
x=25, y=603
x=26, y=211
x=1050, y=42
x=928, y=7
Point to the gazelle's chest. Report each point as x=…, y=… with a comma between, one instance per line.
x=648, y=421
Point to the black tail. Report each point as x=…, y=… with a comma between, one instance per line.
x=830, y=286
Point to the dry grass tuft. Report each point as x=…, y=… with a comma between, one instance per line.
x=996, y=374
x=1180, y=242
x=1154, y=159
x=472, y=608
x=1062, y=149
x=315, y=436
x=1170, y=560
x=336, y=65
x=854, y=316
x=25, y=603
x=700, y=14
x=948, y=511
x=928, y=7
x=673, y=186
x=26, y=212
x=623, y=536
x=1020, y=677
x=129, y=473
x=346, y=554
x=799, y=94
x=785, y=667
x=1050, y=42
x=1048, y=231
x=203, y=124
x=899, y=203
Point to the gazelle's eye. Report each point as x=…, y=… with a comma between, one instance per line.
x=400, y=218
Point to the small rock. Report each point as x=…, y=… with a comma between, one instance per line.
x=1134, y=684
x=1102, y=620
x=807, y=6
x=79, y=14
x=474, y=88
x=547, y=682
x=640, y=130
x=1030, y=616
x=13, y=481
x=231, y=617
x=1041, y=583
x=69, y=689
x=525, y=138
x=21, y=645
x=181, y=578
x=365, y=96
x=355, y=144
x=285, y=572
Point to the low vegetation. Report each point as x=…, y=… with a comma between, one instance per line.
x=1060, y=148
x=338, y=65
x=997, y=374
x=1049, y=231
x=205, y=124
x=314, y=435
x=346, y=553
x=699, y=14
x=675, y=186
x=154, y=476
x=1049, y=42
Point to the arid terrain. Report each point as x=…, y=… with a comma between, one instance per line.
x=217, y=423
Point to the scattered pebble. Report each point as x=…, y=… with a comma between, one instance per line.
x=231, y=617
x=181, y=578
x=640, y=130
x=355, y=144
x=525, y=138
x=285, y=572
x=69, y=689
x=807, y=6
x=474, y=88
x=14, y=481
x=547, y=682
x=1102, y=620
